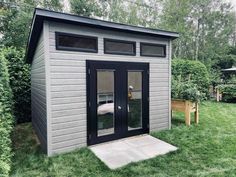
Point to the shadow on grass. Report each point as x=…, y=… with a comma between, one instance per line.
x=176, y=121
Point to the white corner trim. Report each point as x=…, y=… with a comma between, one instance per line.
x=170, y=58
x=48, y=85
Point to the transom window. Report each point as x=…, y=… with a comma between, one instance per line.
x=119, y=47
x=152, y=50
x=74, y=42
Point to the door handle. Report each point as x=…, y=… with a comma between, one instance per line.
x=119, y=107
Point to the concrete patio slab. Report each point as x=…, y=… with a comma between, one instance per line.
x=118, y=153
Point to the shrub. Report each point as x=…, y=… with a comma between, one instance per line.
x=19, y=73
x=185, y=90
x=228, y=92
x=6, y=118
x=193, y=72
x=232, y=80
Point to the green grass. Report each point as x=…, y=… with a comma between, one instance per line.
x=207, y=149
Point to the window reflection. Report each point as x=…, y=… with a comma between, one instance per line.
x=105, y=102
x=134, y=100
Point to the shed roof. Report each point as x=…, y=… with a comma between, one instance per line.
x=233, y=69
x=41, y=14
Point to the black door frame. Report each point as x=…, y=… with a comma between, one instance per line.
x=120, y=78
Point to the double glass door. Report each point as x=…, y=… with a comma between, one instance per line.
x=117, y=100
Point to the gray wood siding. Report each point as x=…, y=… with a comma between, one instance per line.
x=38, y=94
x=68, y=84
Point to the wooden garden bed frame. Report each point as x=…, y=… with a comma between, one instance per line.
x=187, y=107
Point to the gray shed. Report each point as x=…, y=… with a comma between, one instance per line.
x=94, y=81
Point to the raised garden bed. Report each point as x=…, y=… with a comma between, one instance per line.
x=187, y=107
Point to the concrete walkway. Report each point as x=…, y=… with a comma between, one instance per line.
x=118, y=153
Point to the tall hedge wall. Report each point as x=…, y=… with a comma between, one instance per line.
x=19, y=73
x=6, y=118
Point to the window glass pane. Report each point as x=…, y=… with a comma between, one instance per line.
x=82, y=43
x=119, y=47
x=105, y=102
x=152, y=50
x=134, y=100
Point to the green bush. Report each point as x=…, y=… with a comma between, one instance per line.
x=6, y=118
x=185, y=90
x=193, y=72
x=19, y=73
x=232, y=79
x=228, y=92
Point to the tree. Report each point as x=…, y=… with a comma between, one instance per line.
x=205, y=27
x=16, y=17
x=54, y=5
x=85, y=7
x=173, y=18
x=135, y=12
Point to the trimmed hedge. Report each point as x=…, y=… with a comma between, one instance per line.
x=19, y=73
x=193, y=72
x=6, y=118
x=228, y=92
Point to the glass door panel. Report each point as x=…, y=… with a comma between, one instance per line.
x=105, y=102
x=134, y=105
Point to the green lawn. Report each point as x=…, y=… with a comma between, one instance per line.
x=208, y=149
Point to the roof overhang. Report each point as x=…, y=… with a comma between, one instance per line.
x=229, y=69
x=41, y=14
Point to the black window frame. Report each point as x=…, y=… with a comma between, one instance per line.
x=58, y=47
x=120, y=41
x=152, y=44
x=121, y=69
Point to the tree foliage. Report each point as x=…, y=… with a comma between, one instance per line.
x=16, y=17
x=86, y=8
x=137, y=12
x=223, y=62
x=205, y=27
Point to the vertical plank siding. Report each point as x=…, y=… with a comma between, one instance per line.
x=68, y=85
x=38, y=94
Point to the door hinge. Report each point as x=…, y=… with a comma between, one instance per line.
x=89, y=71
x=90, y=136
x=89, y=104
x=148, y=99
